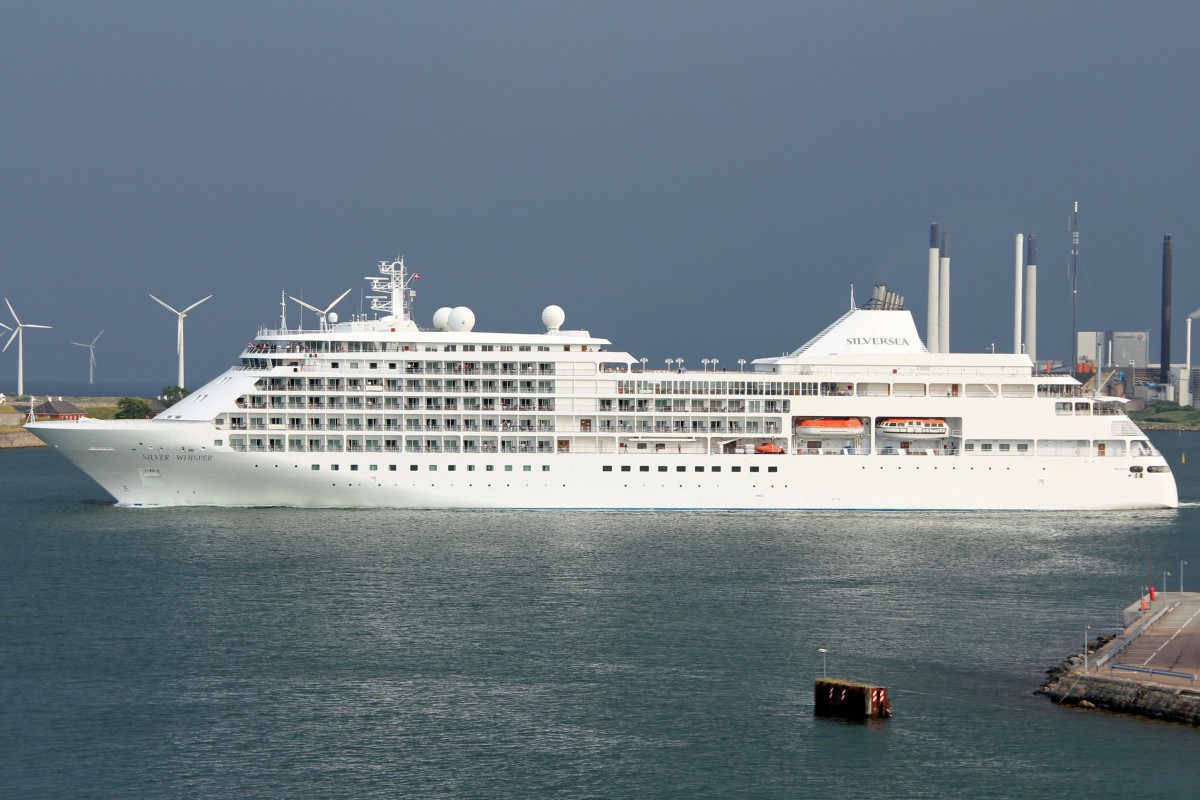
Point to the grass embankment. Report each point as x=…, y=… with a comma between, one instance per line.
x=1167, y=416
x=95, y=412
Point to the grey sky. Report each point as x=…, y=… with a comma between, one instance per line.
x=686, y=179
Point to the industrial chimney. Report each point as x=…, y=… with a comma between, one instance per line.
x=931, y=328
x=1164, y=367
x=1020, y=266
x=944, y=297
x=1031, y=298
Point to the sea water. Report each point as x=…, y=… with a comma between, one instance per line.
x=279, y=653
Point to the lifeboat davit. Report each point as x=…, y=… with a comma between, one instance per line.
x=769, y=447
x=830, y=426
x=912, y=428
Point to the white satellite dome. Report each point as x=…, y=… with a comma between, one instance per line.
x=441, y=318
x=553, y=317
x=461, y=319
x=332, y=317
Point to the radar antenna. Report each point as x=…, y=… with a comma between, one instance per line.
x=395, y=283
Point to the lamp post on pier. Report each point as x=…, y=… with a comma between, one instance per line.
x=1085, y=648
x=822, y=651
x=1182, y=564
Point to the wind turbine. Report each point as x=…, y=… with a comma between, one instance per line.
x=324, y=313
x=179, y=336
x=92, y=359
x=19, y=335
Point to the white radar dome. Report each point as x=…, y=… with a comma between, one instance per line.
x=441, y=318
x=462, y=319
x=332, y=317
x=553, y=317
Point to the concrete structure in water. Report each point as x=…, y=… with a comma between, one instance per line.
x=835, y=697
x=1149, y=670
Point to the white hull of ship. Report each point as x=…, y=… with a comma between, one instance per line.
x=147, y=464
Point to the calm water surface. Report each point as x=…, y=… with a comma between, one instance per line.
x=369, y=654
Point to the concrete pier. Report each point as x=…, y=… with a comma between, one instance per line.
x=1150, y=669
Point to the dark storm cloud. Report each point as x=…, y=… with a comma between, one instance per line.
x=686, y=179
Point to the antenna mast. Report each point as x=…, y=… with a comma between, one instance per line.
x=1074, y=286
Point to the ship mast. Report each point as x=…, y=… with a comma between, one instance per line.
x=396, y=293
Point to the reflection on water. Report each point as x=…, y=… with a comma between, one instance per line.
x=275, y=653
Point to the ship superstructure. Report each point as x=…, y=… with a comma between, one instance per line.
x=375, y=411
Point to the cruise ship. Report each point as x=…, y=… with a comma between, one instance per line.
x=377, y=411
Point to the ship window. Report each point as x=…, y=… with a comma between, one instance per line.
x=986, y=447
x=969, y=447
x=662, y=469
x=681, y=469
x=754, y=469
x=772, y=469
x=508, y=467
x=607, y=468
x=217, y=442
x=433, y=467
x=391, y=467
x=643, y=468
x=546, y=468
x=1022, y=447
x=470, y=467
x=699, y=469
x=412, y=467
x=1004, y=447
x=354, y=467
x=489, y=467
x=316, y=467
x=626, y=468
x=716, y=469
x=452, y=467
x=334, y=365
x=527, y=468
x=333, y=467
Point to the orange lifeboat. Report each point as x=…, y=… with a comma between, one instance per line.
x=912, y=428
x=830, y=426
x=769, y=447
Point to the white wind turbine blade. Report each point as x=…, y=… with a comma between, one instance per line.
x=341, y=297
x=98, y=335
x=164, y=305
x=2, y=325
x=81, y=344
x=15, y=334
x=306, y=305
x=31, y=325
x=193, y=305
x=14, y=313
